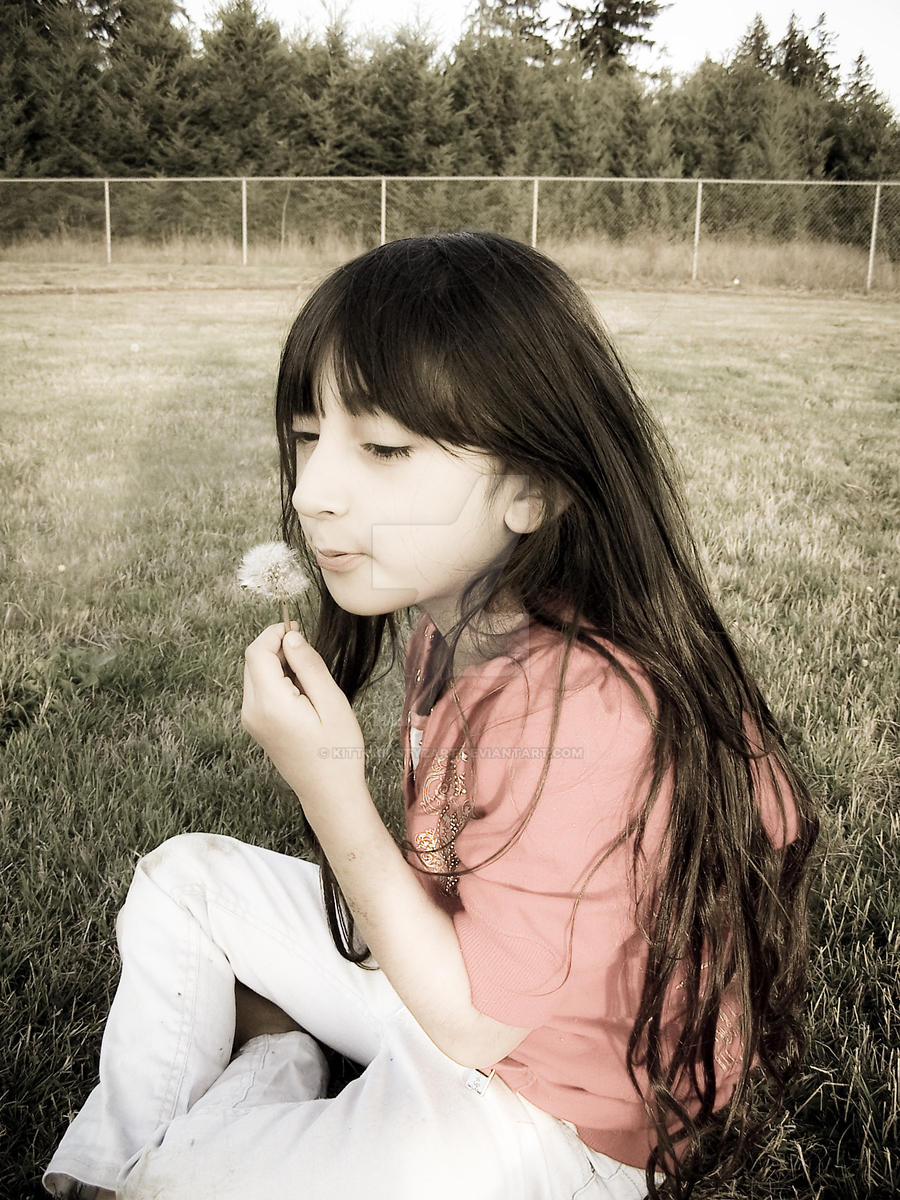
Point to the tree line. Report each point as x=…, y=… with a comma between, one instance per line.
x=94, y=87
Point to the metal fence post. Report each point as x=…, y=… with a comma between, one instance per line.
x=534, y=212
x=874, y=237
x=383, y=211
x=697, y=230
x=108, y=223
x=244, y=222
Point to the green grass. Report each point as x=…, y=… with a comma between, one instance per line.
x=137, y=463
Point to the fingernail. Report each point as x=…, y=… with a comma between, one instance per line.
x=293, y=639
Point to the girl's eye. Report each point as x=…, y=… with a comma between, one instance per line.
x=305, y=439
x=386, y=452
x=300, y=438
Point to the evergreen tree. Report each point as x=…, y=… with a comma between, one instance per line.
x=16, y=106
x=62, y=91
x=802, y=63
x=602, y=34
x=765, y=114
x=147, y=82
x=616, y=114
x=90, y=87
x=50, y=116
x=661, y=159
x=866, y=144
x=543, y=127
x=406, y=115
x=546, y=136
x=813, y=123
x=755, y=47
x=771, y=152
x=521, y=18
x=50, y=71
x=102, y=17
x=243, y=100
x=13, y=121
x=488, y=85
x=325, y=136
x=763, y=145
x=707, y=125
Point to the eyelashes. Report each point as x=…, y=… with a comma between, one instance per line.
x=388, y=452
x=382, y=453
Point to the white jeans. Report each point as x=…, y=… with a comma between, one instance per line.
x=172, y=1117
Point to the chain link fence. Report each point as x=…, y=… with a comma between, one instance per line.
x=835, y=236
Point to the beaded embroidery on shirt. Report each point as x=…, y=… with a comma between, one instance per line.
x=444, y=793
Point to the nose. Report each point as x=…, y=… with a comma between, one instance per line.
x=320, y=489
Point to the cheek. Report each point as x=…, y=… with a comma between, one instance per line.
x=405, y=547
x=433, y=523
x=447, y=500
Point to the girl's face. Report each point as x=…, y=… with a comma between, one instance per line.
x=394, y=519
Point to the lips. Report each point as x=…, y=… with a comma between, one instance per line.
x=337, y=560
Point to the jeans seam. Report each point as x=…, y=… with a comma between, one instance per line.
x=175, y=1077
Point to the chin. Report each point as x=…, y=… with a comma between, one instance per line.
x=375, y=604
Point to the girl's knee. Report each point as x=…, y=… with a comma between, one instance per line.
x=153, y=1176
x=195, y=1159
x=184, y=866
x=187, y=856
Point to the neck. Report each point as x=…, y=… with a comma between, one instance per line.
x=486, y=641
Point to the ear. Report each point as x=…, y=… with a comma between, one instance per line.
x=527, y=508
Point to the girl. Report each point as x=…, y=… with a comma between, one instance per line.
x=592, y=941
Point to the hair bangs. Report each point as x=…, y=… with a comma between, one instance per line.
x=410, y=381
x=389, y=348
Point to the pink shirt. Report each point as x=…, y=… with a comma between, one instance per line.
x=570, y=972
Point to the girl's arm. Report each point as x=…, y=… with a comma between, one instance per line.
x=312, y=736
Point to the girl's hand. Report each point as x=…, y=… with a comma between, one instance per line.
x=305, y=724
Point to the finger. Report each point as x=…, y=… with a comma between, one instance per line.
x=265, y=666
x=275, y=687
x=283, y=660
x=269, y=641
x=311, y=673
x=293, y=626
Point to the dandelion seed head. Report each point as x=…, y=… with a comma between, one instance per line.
x=273, y=571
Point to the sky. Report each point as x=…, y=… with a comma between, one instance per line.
x=685, y=32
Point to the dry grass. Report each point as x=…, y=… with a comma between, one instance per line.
x=168, y=257
x=646, y=261
x=722, y=262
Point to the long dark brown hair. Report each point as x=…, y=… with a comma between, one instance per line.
x=476, y=341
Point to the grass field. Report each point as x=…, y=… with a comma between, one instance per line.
x=137, y=463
